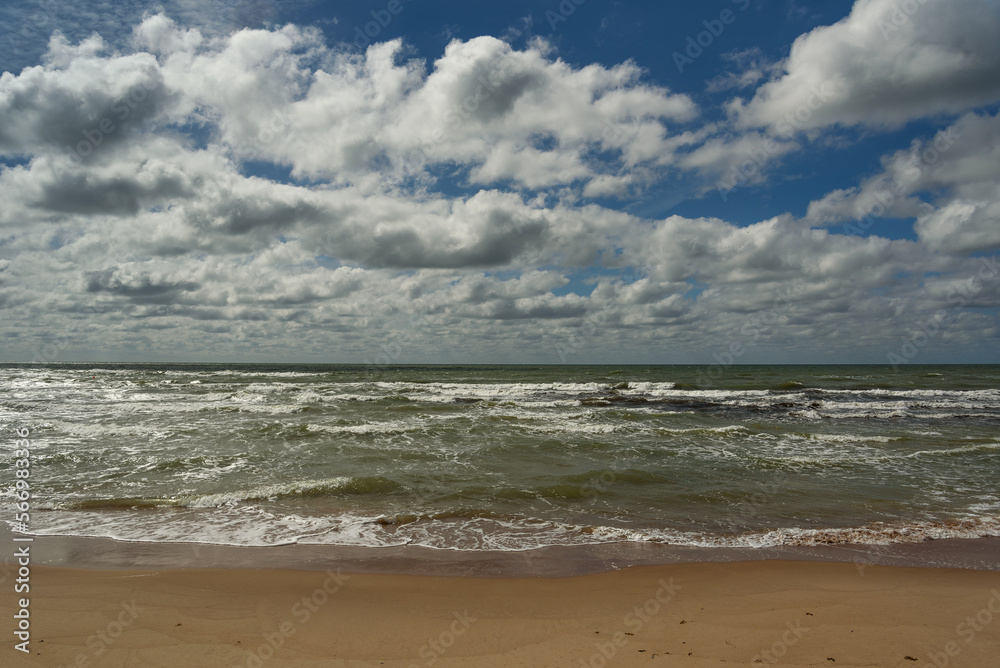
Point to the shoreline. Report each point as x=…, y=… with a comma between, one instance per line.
x=981, y=554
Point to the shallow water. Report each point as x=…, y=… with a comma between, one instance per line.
x=507, y=457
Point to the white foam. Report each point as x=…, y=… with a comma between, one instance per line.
x=977, y=447
x=99, y=430
x=264, y=492
x=255, y=525
x=565, y=427
x=851, y=438
x=395, y=427
x=727, y=429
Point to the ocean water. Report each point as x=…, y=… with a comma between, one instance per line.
x=506, y=457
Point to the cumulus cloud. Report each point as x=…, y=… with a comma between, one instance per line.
x=885, y=64
x=750, y=66
x=505, y=115
x=80, y=103
x=159, y=229
x=948, y=183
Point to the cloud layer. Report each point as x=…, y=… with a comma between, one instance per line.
x=261, y=194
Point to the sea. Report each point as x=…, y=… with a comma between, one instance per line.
x=509, y=458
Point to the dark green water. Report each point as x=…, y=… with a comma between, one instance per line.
x=502, y=457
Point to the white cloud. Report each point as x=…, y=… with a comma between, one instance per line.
x=737, y=160
x=504, y=114
x=887, y=63
x=948, y=182
x=80, y=103
x=751, y=66
x=962, y=226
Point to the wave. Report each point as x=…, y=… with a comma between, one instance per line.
x=344, y=485
x=594, y=483
x=791, y=385
x=946, y=452
x=869, y=534
x=479, y=530
x=332, y=487
x=115, y=504
x=291, y=395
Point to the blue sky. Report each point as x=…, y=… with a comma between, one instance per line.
x=514, y=182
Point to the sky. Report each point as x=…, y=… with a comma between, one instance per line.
x=407, y=181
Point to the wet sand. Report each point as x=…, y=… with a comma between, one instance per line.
x=556, y=561
x=790, y=613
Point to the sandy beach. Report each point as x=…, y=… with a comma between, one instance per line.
x=793, y=613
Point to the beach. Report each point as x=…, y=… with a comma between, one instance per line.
x=460, y=335
x=792, y=613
